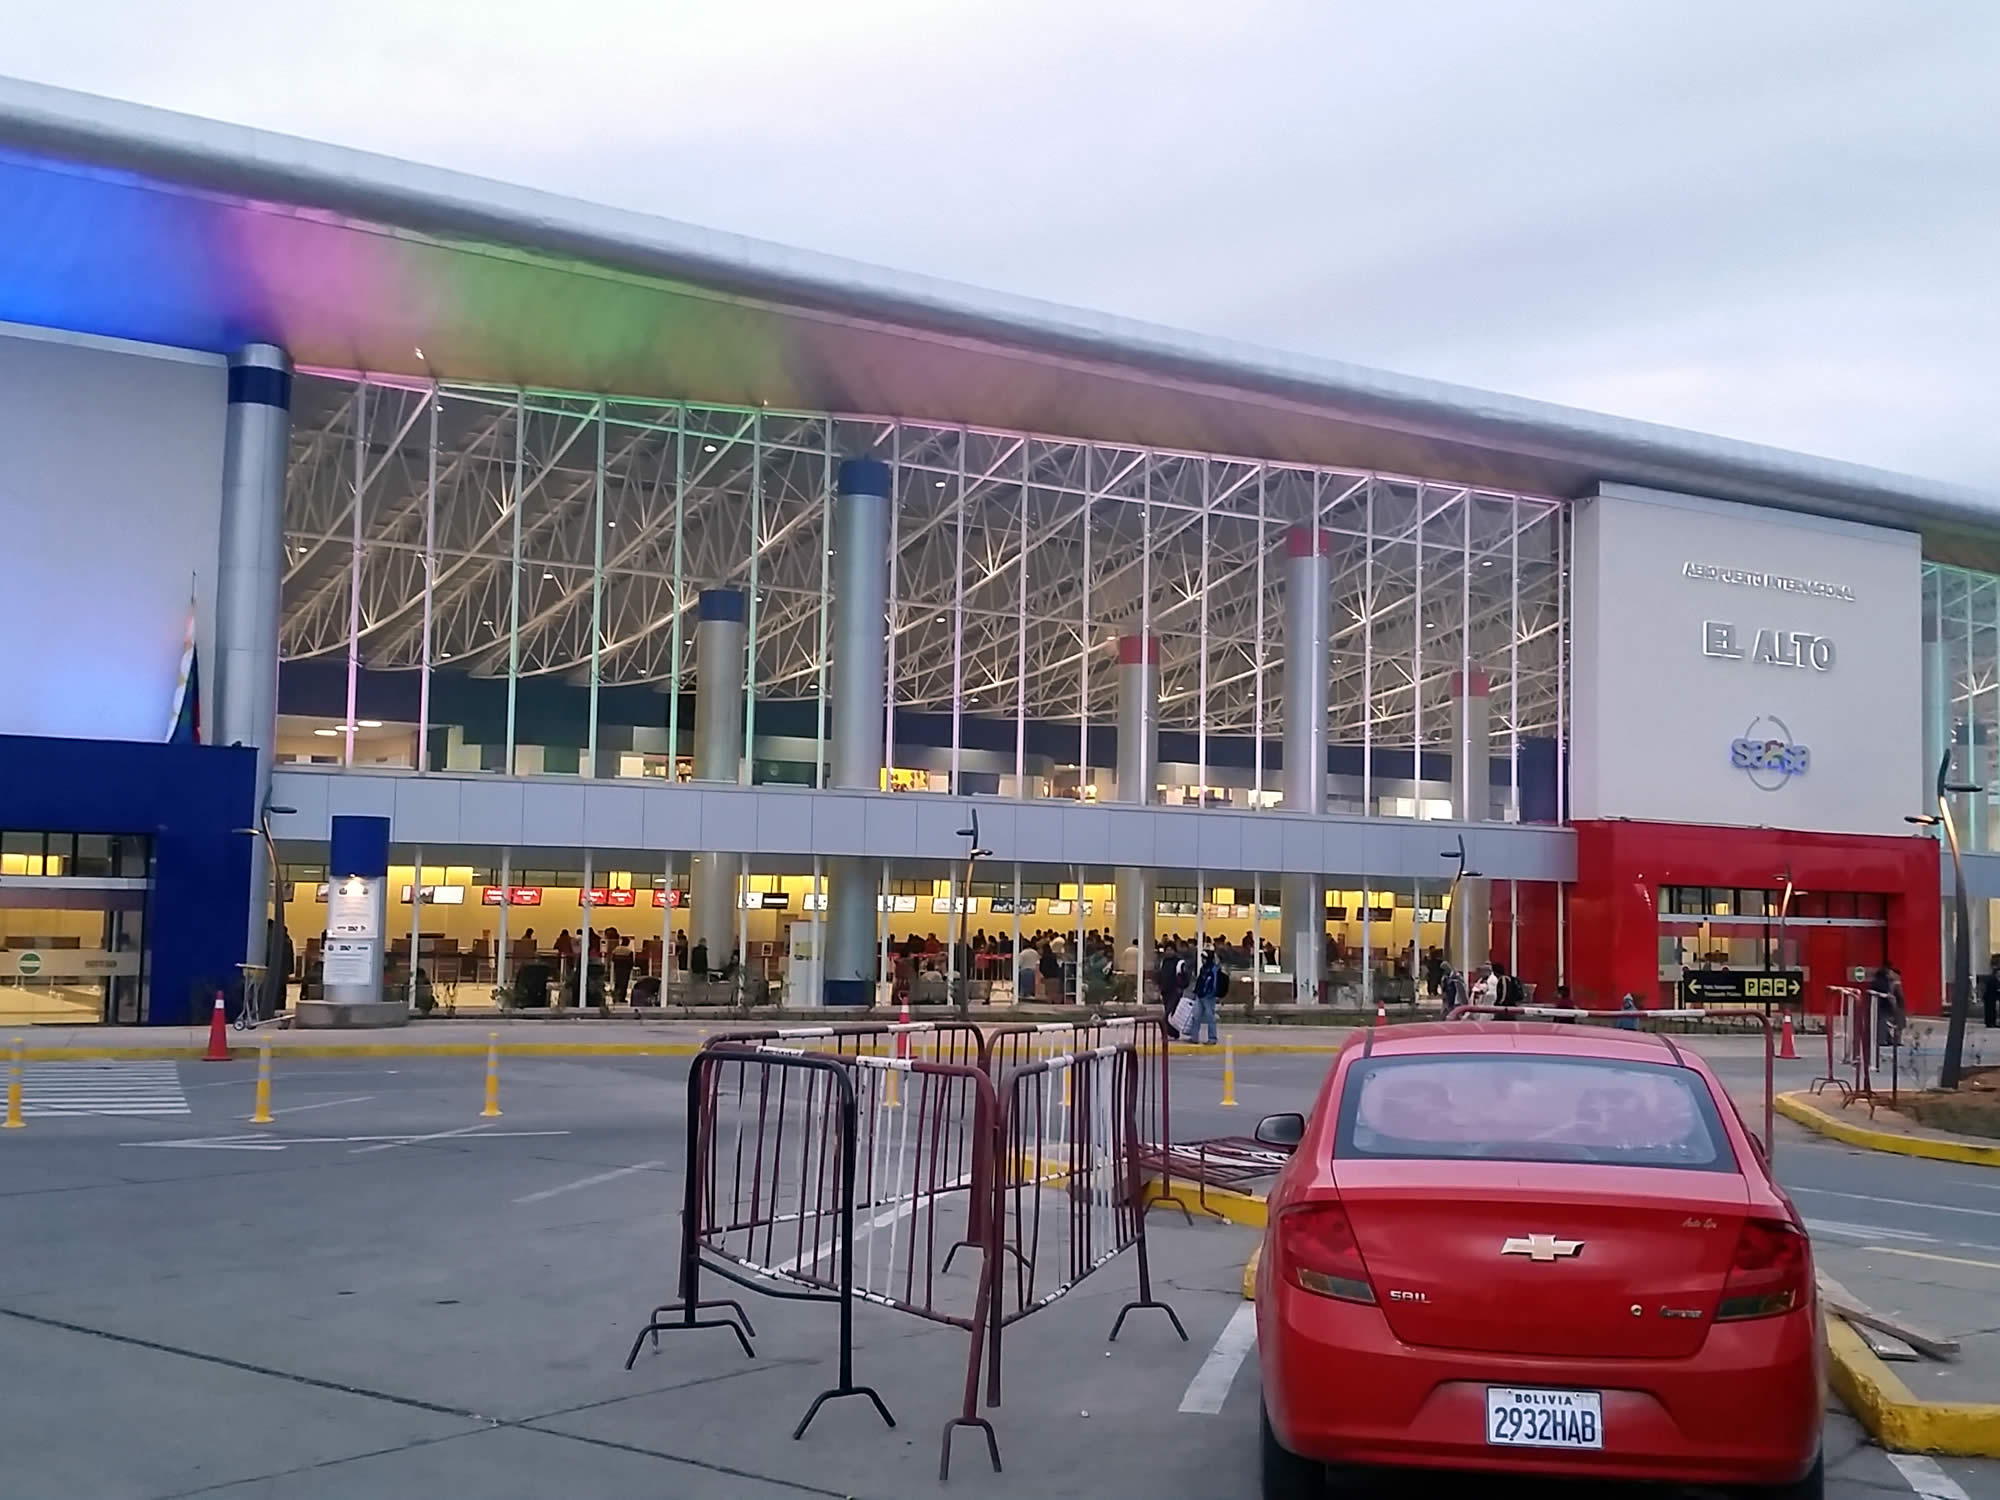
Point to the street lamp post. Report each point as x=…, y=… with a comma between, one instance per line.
x=1463, y=939
x=973, y=855
x=274, y=918
x=1961, y=945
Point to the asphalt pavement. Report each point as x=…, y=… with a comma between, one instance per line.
x=383, y=1294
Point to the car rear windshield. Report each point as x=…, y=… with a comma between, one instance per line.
x=1503, y=1106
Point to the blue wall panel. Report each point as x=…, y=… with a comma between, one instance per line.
x=189, y=798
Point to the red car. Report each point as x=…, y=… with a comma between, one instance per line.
x=1538, y=1249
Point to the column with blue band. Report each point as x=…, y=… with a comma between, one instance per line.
x=719, y=637
x=250, y=570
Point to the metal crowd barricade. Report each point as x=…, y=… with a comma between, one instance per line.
x=1855, y=1046
x=1069, y=1192
x=957, y=1043
x=1009, y=1047
x=1632, y=1020
x=838, y=1178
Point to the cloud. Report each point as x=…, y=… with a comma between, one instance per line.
x=1773, y=221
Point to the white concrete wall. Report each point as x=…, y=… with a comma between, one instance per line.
x=110, y=492
x=1659, y=697
x=550, y=820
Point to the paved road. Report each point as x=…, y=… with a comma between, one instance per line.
x=384, y=1295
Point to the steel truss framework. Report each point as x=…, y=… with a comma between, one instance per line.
x=496, y=532
x=1962, y=616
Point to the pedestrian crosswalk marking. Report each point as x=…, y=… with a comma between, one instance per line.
x=102, y=1088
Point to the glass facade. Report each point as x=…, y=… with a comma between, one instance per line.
x=498, y=580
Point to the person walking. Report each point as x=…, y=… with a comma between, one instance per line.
x=698, y=960
x=1170, y=977
x=1207, y=990
x=1989, y=992
x=1031, y=963
x=622, y=960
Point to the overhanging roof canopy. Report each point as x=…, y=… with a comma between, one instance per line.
x=139, y=223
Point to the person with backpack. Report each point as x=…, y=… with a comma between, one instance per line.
x=1208, y=987
x=1451, y=986
x=1506, y=989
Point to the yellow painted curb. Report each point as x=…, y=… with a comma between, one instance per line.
x=1217, y=1203
x=1797, y=1107
x=243, y=1045
x=245, y=1051
x=1893, y=1415
x=1250, y=1273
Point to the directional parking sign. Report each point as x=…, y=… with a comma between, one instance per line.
x=1742, y=986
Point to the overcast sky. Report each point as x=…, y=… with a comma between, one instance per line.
x=1778, y=220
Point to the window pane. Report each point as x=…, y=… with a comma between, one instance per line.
x=1511, y=1108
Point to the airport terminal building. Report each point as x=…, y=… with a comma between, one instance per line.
x=553, y=569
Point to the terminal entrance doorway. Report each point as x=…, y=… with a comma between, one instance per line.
x=72, y=929
x=1823, y=938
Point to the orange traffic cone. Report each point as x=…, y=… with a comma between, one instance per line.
x=1786, y=1049
x=1381, y=1014
x=218, y=1033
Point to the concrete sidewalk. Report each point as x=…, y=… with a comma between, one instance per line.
x=585, y=1034
x=566, y=1036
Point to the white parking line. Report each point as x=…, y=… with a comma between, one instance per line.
x=1926, y=1478
x=1938, y=1208
x=299, y=1109
x=1843, y=1230
x=1210, y=1386
x=411, y=1140
x=584, y=1182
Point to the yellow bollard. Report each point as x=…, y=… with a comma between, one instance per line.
x=492, y=1110
x=261, y=1114
x=14, y=1120
x=1228, y=1071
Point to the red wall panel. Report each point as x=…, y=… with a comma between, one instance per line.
x=1613, y=927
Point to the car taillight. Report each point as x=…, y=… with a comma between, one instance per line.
x=1769, y=1273
x=1318, y=1251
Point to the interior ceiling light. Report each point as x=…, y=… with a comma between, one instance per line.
x=327, y=734
x=368, y=723
x=708, y=447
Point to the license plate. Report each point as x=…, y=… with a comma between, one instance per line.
x=1532, y=1417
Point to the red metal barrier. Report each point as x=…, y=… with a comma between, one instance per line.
x=959, y=1043
x=1069, y=1189
x=837, y=1178
x=1009, y=1047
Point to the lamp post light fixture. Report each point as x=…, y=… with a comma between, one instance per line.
x=973, y=854
x=1462, y=940
x=275, y=917
x=1961, y=941
x=1790, y=894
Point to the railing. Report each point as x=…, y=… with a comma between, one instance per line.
x=855, y=1174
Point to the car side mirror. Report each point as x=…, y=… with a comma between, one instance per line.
x=1283, y=1131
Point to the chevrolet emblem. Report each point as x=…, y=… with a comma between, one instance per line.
x=1542, y=1247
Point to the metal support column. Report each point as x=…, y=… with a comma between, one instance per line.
x=1138, y=773
x=250, y=569
x=718, y=756
x=1303, y=897
x=861, y=510
x=1470, y=935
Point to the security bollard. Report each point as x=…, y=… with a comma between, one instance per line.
x=14, y=1120
x=492, y=1110
x=260, y=1113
